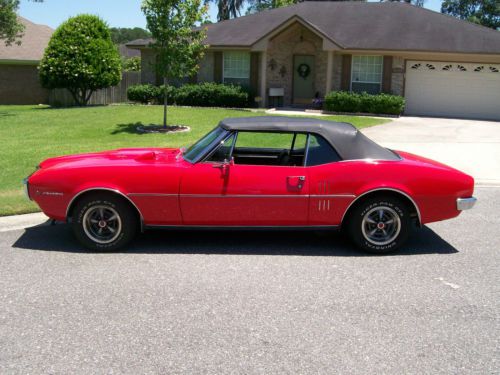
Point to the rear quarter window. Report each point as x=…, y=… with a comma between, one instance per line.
x=320, y=151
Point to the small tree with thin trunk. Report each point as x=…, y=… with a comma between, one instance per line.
x=177, y=40
x=81, y=57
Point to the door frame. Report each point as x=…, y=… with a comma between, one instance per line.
x=294, y=56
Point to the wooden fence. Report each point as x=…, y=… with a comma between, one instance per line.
x=115, y=94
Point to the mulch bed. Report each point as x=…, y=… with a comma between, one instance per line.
x=160, y=129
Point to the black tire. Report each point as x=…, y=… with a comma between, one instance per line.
x=97, y=228
x=379, y=225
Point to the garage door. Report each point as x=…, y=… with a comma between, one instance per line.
x=453, y=89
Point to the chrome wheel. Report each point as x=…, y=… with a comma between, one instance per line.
x=102, y=224
x=381, y=225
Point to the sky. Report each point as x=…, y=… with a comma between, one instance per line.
x=118, y=13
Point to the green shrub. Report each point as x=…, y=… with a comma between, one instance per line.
x=143, y=93
x=341, y=101
x=171, y=94
x=211, y=95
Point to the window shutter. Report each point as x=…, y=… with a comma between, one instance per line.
x=254, y=72
x=345, y=84
x=387, y=75
x=218, y=67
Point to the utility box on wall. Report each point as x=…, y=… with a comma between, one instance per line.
x=276, y=95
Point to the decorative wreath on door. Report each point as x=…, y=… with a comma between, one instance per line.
x=304, y=70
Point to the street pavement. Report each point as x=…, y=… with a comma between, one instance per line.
x=254, y=302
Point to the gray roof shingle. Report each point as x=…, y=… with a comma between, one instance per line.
x=35, y=40
x=362, y=26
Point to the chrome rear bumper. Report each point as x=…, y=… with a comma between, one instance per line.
x=465, y=203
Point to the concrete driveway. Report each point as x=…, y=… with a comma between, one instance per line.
x=468, y=145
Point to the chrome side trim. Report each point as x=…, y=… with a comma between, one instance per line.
x=151, y=195
x=384, y=189
x=332, y=195
x=105, y=189
x=242, y=195
x=465, y=203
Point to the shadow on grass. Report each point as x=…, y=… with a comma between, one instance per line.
x=6, y=114
x=130, y=128
x=57, y=107
x=60, y=238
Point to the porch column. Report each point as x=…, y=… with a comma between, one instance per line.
x=263, y=71
x=329, y=72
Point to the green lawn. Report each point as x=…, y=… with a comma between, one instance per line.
x=30, y=134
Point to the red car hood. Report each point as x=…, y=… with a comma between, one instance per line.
x=119, y=156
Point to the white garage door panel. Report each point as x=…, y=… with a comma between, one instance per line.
x=453, y=89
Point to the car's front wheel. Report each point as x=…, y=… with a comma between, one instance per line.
x=104, y=222
x=380, y=224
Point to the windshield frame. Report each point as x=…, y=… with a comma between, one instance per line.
x=203, y=151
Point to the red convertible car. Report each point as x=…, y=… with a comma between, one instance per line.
x=271, y=172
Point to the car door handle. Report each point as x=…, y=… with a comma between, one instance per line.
x=297, y=181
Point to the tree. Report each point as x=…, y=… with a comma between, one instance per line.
x=260, y=5
x=81, y=58
x=131, y=64
x=11, y=30
x=121, y=35
x=418, y=3
x=177, y=42
x=227, y=9
x=482, y=12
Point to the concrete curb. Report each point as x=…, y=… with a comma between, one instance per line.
x=17, y=222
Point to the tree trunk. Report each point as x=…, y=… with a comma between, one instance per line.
x=165, y=102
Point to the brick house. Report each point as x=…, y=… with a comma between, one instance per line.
x=19, y=83
x=442, y=65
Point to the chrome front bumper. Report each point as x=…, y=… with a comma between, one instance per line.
x=26, y=189
x=465, y=203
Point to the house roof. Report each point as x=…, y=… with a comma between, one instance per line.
x=361, y=26
x=33, y=43
x=349, y=142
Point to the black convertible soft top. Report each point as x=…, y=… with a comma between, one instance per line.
x=349, y=142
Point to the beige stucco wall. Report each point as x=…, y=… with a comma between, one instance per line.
x=19, y=84
x=296, y=40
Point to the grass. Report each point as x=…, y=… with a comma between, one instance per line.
x=30, y=134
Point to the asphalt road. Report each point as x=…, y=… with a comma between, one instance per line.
x=254, y=303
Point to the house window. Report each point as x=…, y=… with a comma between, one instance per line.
x=366, y=75
x=237, y=68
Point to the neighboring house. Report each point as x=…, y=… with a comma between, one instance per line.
x=19, y=83
x=443, y=66
x=127, y=52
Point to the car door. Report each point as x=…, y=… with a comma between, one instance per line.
x=246, y=182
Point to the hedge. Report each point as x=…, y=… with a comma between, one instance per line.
x=211, y=95
x=199, y=95
x=143, y=93
x=341, y=101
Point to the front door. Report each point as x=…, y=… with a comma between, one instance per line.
x=303, y=79
x=264, y=184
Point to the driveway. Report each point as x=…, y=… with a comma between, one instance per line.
x=469, y=145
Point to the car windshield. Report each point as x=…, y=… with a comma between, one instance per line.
x=195, y=151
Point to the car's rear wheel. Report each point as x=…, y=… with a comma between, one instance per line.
x=379, y=224
x=104, y=222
